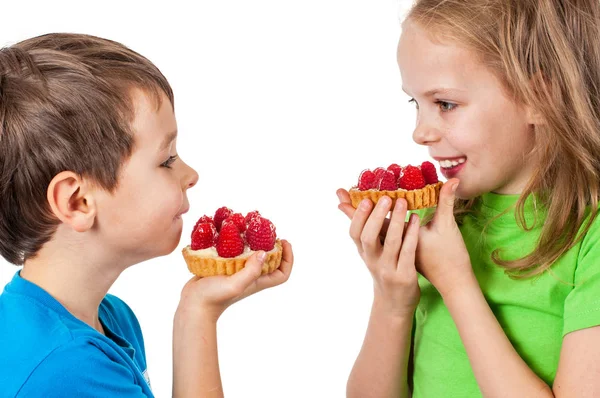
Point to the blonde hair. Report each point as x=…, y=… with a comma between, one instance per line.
x=545, y=53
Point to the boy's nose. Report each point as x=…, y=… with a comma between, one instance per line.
x=191, y=177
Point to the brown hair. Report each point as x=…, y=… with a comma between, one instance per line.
x=65, y=104
x=546, y=54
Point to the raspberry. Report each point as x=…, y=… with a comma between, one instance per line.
x=379, y=172
x=229, y=241
x=395, y=169
x=388, y=181
x=238, y=220
x=202, y=219
x=204, y=236
x=220, y=215
x=367, y=180
x=261, y=234
x=251, y=215
x=429, y=172
x=411, y=178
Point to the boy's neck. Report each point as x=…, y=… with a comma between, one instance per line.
x=79, y=282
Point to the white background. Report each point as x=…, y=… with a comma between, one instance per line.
x=278, y=104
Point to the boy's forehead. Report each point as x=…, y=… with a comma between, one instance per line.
x=153, y=124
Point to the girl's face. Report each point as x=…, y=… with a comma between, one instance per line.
x=472, y=128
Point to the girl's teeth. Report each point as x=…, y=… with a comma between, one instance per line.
x=451, y=163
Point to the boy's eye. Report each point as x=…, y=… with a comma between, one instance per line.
x=169, y=162
x=446, y=106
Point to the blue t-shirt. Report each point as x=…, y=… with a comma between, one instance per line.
x=46, y=352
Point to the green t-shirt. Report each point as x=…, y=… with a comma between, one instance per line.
x=535, y=313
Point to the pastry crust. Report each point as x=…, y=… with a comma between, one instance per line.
x=416, y=199
x=212, y=266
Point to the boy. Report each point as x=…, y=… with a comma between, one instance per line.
x=90, y=184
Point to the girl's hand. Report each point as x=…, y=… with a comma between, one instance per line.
x=392, y=264
x=442, y=256
x=210, y=297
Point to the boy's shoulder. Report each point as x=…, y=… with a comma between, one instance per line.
x=43, y=345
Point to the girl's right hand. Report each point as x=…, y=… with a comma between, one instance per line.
x=391, y=263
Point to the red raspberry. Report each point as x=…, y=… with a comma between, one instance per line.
x=204, y=236
x=379, y=173
x=202, y=219
x=238, y=220
x=261, y=234
x=221, y=215
x=395, y=169
x=229, y=241
x=429, y=172
x=251, y=215
x=388, y=181
x=411, y=178
x=367, y=180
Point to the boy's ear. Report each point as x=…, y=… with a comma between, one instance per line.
x=71, y=200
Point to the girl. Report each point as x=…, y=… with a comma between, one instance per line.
x=506, y=299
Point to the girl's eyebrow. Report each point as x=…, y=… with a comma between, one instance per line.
x=441, y=91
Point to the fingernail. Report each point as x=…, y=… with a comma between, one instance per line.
x=365, y=204
x=414, y=218
x=339, y=195
x=385, y=201
x=262, y=256
x=455, y=186
x=400, y=204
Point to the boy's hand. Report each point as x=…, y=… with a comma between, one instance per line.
x=392, y=264
x=210, y=296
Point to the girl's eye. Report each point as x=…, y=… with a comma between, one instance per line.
x=169, y=162
x=413, y=101
x=446, y=106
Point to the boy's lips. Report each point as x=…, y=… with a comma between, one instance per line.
x=182, y=213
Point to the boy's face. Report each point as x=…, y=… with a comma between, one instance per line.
x=142, y=218
x=464, y=115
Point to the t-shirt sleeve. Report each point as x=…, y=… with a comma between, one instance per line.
x=80, y=370
x=582, y=305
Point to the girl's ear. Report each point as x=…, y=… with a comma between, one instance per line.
x=72, y=201
x=534, y=117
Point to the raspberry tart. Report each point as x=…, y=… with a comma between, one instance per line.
x=222, y=244
x=419, y=185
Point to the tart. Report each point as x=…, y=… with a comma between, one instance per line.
x=419, y=185
x=220, y=245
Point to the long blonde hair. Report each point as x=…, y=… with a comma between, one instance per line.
x=546, y=54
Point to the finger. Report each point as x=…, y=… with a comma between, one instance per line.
x=249, y=274
x=347, y=209
x=370, y=234
x=444, y=213
x=406, y=260
x=358, y=222
x=395, y=232
x=343, y=196
x=281, y=274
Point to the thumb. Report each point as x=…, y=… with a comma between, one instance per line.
x=250, y=273
x=445, y=208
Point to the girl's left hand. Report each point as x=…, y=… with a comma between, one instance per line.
x=442, y=256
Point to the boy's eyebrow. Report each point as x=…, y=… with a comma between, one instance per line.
x=167, y=140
